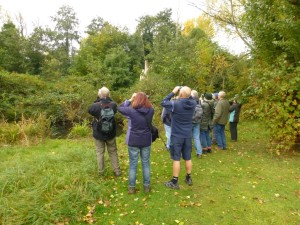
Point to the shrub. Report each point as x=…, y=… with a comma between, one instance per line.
x=281, y=110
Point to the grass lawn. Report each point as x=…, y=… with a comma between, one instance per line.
x=57, y=183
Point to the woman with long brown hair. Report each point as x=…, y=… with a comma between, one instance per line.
x=139, y=112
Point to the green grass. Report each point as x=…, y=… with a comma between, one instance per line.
x=57, y=183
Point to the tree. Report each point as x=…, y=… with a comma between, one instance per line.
x=96, y=25
x=36, y=51
x=111, y=56
x=155, y=31
x=11, y=52
x=66, y=34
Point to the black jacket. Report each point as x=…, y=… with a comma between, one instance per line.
x=95, y=111
x=235, y=110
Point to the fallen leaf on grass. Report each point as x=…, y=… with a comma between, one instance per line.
x=260, y=200
x=107, y=203
x=89, y=216
x=124, y=214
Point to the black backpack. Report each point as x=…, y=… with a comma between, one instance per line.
x=105, y=123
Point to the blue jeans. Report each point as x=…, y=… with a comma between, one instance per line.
x=133, y=164
x=168, y=135
x=220, y=136
x=196, y=136
x=205, y=138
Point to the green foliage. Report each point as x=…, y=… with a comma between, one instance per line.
x=16, y=89
x=156, y=31
x=282, y=109
x=64, y=101
x=11, y=56
x=67, y=35
x=111, y=55
x=273, y=27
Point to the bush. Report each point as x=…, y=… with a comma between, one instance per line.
x=281, y=109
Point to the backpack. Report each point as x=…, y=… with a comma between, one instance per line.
x=197, y=114
x=105, y=123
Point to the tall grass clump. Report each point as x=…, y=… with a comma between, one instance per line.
x=26, y=131
x=80, y=130
x=9, y=133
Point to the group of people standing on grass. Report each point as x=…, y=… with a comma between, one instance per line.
x=186, y=117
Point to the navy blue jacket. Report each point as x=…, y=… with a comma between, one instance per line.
x=138, y=132
x=182, y=113
x=166, y=117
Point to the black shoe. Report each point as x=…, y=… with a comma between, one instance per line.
x=199, y=156
x=189, y=181
x=209, y=151
x=171, y=185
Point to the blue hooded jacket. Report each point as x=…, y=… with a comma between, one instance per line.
x=138, y=132
x=182, y=113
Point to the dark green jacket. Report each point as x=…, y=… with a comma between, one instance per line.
x=206, y=119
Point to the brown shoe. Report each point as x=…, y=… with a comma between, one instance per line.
x=147, y=189
x=131, y=190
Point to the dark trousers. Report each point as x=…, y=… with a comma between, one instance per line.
x=233, y=131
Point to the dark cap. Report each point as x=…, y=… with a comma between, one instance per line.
x=208, y=96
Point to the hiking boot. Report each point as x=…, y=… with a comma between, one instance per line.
x=118, y=173
x=171, y=185
x=188, y=181
x=147, y=189
x=131, y=190
x=199, y=156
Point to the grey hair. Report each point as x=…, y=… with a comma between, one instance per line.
x=194, y=94
x=222, y=94
x=103, y=92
